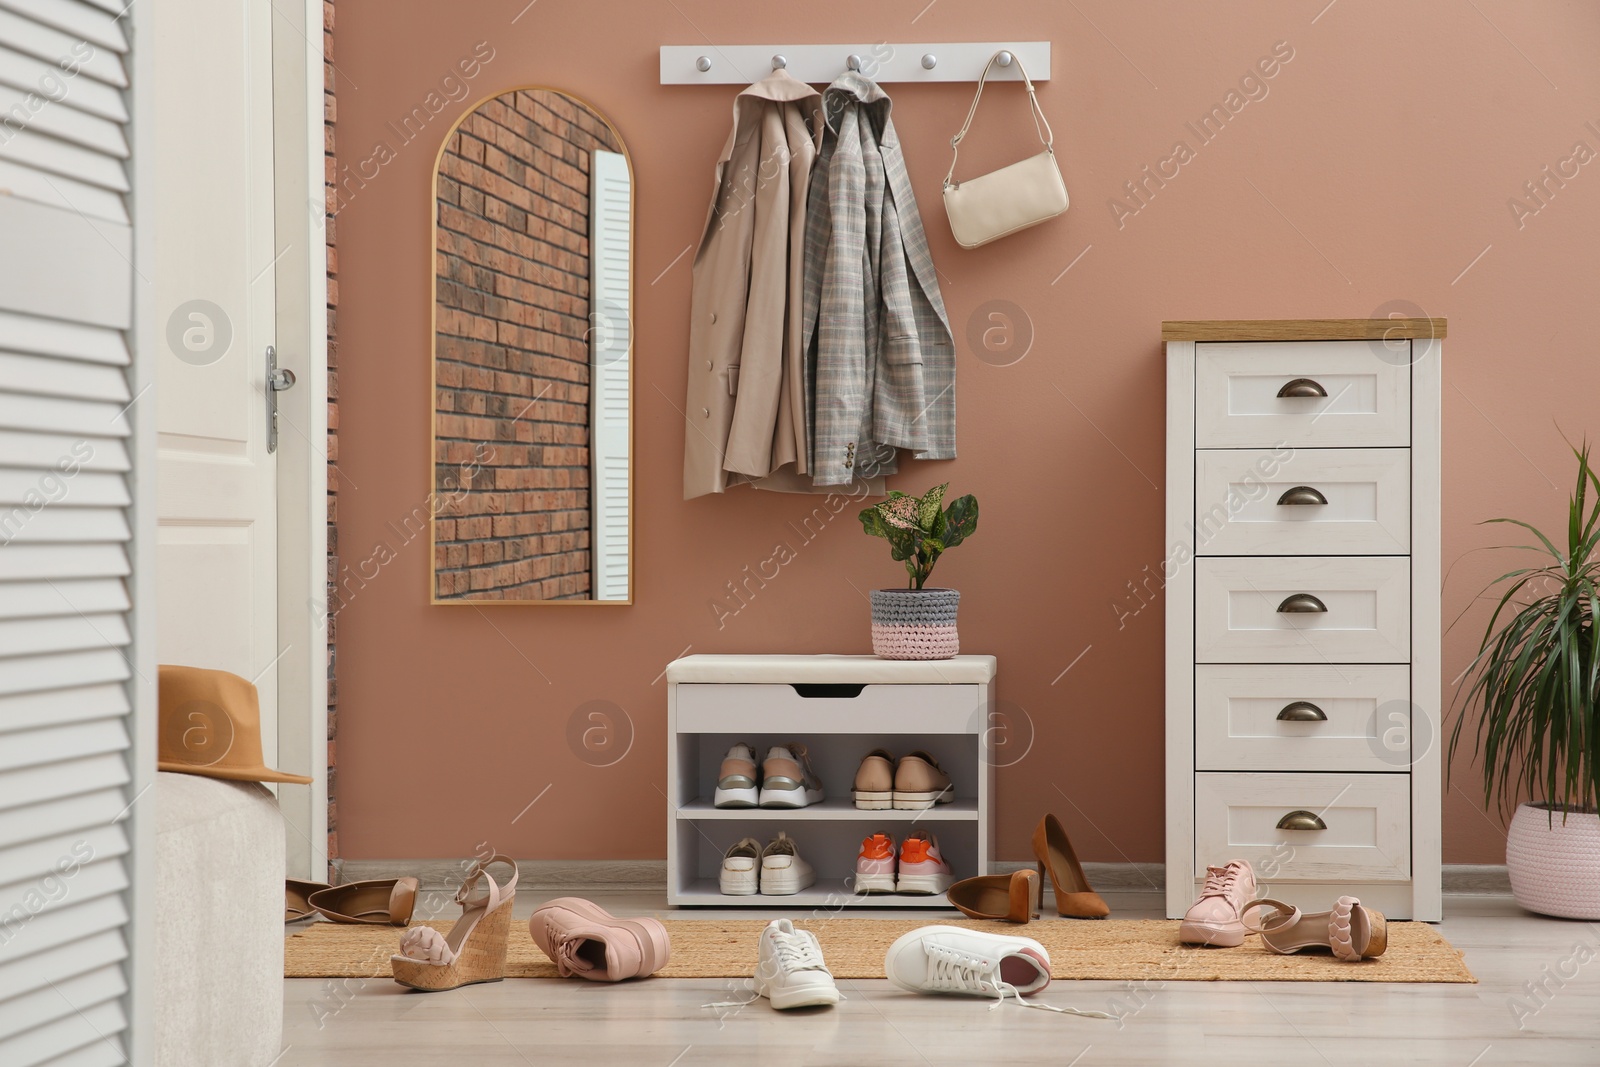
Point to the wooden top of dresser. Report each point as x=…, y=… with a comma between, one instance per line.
x=1301, y=329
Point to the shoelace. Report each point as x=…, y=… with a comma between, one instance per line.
x=959, y=973
x=1219, y=880
x=796, y=952
x=567, y=954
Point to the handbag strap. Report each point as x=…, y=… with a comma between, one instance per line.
x=1040, y=124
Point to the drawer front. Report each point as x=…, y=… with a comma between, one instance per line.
x=1239, y=611
x=1367, y=820
x=1301, y=717
x=1367, y=401
x=875, y=709
x=1309, y=501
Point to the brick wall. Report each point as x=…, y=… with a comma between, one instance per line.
x=512, y=355
x=330, y=118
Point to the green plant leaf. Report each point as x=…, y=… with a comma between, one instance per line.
x=961, y=520
x=932, y=503
x=1535, y=680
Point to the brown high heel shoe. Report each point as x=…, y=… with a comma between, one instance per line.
x=1074, y=898
x=1008, y=897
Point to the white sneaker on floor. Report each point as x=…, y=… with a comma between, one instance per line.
x=741, y=869
x=783, y=872
x=789, y=968
x=953, y=959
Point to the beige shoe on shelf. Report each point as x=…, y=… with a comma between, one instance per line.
x=1349, y=930
x=920, y=783
x=475, y=948
x=873, y=789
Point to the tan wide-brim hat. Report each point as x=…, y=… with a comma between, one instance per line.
x=211, y=725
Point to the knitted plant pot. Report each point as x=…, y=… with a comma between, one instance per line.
x=915, y=623
x=1554, y=863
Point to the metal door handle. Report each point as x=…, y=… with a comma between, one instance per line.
x=1302, y=820
x=1302, y=387
x=278, y=379
x=1302, y=495
x=1302, y=711
x=1301, y=603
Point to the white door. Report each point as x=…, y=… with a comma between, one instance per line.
x=217, y=542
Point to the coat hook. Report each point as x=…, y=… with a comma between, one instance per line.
x=853, y=62
x=779, y=63
x=703, y=64
x=930, y=61
x=1005, y=59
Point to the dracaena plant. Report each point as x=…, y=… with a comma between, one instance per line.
x=1536, y=678
x=920, y=529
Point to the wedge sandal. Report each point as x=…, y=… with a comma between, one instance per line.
x=1349, y=930
x=475, y=948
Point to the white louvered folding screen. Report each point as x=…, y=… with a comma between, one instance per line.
x=610, y=338
x=66, y=304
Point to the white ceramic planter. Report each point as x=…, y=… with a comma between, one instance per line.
x=1555, y=864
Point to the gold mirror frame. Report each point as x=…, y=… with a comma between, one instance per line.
x=440, y=496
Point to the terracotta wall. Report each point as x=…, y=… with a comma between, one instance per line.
x=512, y=377
x=1394, y=160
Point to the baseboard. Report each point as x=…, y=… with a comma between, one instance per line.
x=622, y=876
x=619, y=876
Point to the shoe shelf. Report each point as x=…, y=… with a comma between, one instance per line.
x=840, y=708
x=836, y=808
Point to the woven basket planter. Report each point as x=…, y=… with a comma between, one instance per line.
x=915, y=623
x=1555, y=864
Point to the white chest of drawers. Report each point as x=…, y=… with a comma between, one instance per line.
x=1302, y=591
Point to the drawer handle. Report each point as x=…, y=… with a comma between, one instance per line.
x=1301, y=494
x=1302, y=820
x=1301, y=603
x=1302, y=387
x=1302, y=711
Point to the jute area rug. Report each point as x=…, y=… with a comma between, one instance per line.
x=1106, y=949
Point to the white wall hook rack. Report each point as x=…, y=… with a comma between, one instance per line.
x=741, y=64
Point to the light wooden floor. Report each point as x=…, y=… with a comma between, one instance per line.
x=663, y=1023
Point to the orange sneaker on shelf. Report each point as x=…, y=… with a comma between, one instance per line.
x=875, y=865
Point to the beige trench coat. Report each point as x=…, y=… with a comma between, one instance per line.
x=746, y=397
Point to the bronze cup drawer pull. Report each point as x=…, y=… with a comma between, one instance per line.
x=1302, y=820
x=1301, y=603
x=1302, y=711
x=1302, y=495
x=1302, y=387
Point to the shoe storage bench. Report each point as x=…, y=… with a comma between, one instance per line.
x=840, y=708
x=1303, y=676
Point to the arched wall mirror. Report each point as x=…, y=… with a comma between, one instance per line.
x=532, y=359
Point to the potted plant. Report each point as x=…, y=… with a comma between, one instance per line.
x=1536, y=679
x=918, y=622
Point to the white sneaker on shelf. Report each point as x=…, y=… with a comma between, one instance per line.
x=783, y=872
x=736, y=779
x=787, y=780
x=741, y=868
x=789, y=968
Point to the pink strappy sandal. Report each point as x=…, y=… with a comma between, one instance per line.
x=475, y=948
x=1350, y=931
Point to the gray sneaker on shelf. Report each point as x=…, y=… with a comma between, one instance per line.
x=787, y=780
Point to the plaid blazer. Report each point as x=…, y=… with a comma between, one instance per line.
x=880, y=359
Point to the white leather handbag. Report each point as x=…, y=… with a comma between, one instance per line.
x=1012, y=198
